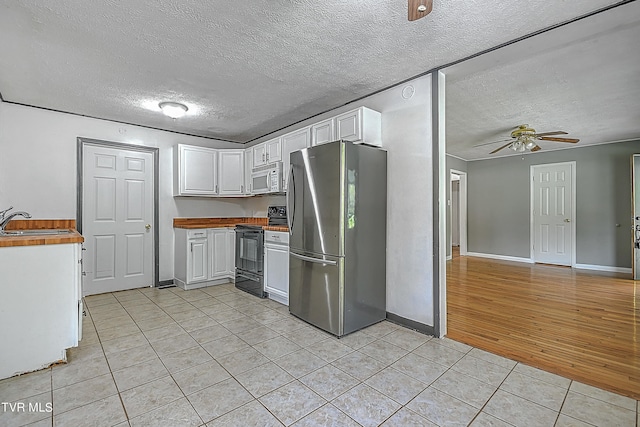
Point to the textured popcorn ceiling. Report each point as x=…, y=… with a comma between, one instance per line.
x=582, y=78
x=248, y=68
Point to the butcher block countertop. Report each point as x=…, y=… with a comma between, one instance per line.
x=225, y=222
x=276, y=228
x=40, y=224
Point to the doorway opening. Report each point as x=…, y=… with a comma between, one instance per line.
x=457, y=213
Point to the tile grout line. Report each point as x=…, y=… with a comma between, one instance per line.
x=251, y=315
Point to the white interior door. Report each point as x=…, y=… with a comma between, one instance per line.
x=553, y=213
x=635, y=188
x=459, y=222
x=117, y=214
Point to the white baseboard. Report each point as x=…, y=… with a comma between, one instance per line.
x=603, y=268
x=449, y=257
x=500, y=257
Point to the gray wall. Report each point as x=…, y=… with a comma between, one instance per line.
x=459, y=165
x=498, y=203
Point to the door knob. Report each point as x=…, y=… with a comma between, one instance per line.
x=567, y=220
x=148, y=226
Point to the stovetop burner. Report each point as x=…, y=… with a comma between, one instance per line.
x=277, y=215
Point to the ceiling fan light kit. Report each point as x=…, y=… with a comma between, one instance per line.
x=526, y=137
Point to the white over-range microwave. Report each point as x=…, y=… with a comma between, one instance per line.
x=267, y=179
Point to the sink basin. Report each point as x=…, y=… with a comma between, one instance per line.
x=48, y=232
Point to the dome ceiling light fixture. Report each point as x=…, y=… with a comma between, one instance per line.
x=174, y=110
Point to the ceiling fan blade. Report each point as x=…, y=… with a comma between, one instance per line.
x=548, y=138
x=493, y=142
x=536, y=148
x=504, y=146
x=419, y=9
x=557, y=132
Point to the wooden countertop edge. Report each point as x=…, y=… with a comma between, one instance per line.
x=191, y=223
x=282, y=228
x=11, y=241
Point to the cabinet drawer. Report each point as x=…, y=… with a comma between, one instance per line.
x=276, y=237
x=197, y=233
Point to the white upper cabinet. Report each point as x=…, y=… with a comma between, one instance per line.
x=195, y=171
x=231, y=172
x=201, y=171
x=360, y=125
x=291, y=142
x=248, y=166
x=267, y=152
x=259, y=154
x=323, y=132
x=274, y=150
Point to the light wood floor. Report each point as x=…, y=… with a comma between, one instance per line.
x=581, y=325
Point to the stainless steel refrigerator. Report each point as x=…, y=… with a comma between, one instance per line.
x=337, y=213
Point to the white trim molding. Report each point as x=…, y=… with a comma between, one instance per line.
x=501, y=257
x=608, y=268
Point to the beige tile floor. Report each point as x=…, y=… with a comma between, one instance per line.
x=220, y=357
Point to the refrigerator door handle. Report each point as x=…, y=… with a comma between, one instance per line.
x=290, y=197
x=311, y=259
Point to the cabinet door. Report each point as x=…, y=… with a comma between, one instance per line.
x=197, y=260
x=322, y=132
x=276, y=271
x=274, y=150
x=231, y=252
x=248, y=165
x=231, y=172
x=197, y=171
x=291, y=142
x=218, y=253
x=259, y=155
x=348, y=125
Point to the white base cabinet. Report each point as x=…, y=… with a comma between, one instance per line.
x=204, y=257
x=40, y=308
x=222, y=243
x=276, y=266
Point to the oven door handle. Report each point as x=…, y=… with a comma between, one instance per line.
x=255, y=278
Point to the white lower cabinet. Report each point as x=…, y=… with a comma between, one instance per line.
x=222, y=243
x=197, y=260
x=39, y=307
x=204, y=257
x=276, y=266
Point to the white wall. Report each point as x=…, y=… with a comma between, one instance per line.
x=38, y=170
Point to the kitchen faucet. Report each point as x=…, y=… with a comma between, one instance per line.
x=4, y=218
